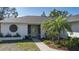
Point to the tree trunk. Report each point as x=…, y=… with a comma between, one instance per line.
x=59, y=35
x=46, y=35
x=58, y=38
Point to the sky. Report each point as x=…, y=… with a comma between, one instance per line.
x=37, y=11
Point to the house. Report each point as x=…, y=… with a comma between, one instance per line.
x=31, y=25
x=26, y=25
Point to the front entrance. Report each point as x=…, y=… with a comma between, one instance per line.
x=34, y=31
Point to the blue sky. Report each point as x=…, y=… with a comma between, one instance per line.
x=37, y=11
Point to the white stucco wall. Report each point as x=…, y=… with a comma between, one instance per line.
x=75, y=26
x=22, y=29
x=42, y=32
x=75, y=30
x=64, y=34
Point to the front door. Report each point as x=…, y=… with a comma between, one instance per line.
x=35, y=31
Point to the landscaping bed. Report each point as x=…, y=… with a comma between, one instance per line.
x=64, y=44
x=53, y=45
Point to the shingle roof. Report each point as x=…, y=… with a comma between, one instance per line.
x=25, y=19
x=35, y=19
x=73, y=18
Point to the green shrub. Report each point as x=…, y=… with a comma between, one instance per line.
x=72, y=42
x=29, y=36
x=17, y=35
x=8, y=35
x=64, y=42
x=47, y=42
x=1, y=35
x=26, y=37
x=57, y=46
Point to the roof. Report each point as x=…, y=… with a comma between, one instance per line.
x=73, y=18
x=25, y=19
x=35, y=19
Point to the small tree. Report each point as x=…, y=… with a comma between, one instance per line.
x=43, y=14
x=14, y=12
x=7, y=12
x=57, y=13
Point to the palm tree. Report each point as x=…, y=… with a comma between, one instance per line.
x=55, y=27
x=54, y=13
x=61, y=24
x=46, y=25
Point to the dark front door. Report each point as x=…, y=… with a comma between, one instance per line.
x=34, y=31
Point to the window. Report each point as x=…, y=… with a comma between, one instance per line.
x=13, y=28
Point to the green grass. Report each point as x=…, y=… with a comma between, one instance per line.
x=27, y=46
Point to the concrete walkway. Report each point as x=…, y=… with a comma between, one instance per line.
x=42, y=46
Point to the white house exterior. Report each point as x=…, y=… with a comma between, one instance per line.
x=22, y=29
x=32, y=25
x=74, y=22
x=24, y=26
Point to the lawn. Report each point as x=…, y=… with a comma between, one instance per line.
x=18, y=45
x=27, y=46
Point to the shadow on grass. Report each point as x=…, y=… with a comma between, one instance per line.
x=15, y=41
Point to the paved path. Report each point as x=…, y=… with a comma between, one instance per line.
x=42, y=46
x=9, y=47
